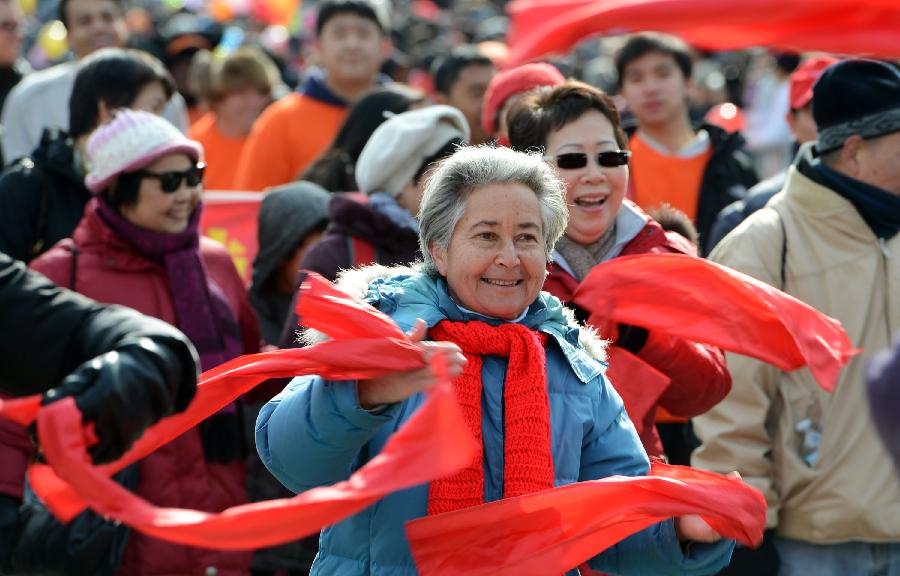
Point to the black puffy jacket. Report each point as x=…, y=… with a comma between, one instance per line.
x=42, y=198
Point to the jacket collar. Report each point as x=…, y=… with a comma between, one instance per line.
x=411, y=296
x=805, y=190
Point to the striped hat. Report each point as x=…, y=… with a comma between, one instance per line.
x=131, y=140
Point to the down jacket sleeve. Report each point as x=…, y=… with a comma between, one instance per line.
x=47, y=331
x=334, y=426
x=699, y=374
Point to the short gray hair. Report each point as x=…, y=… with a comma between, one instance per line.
x=473, y=167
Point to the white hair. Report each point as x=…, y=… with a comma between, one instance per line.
x=473, y=167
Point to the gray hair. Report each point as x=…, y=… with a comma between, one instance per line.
x=473, y=167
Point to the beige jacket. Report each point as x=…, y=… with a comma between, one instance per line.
x=836, y=264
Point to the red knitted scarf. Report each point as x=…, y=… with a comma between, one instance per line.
x=527, y=457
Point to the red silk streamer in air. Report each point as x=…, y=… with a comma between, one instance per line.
x=434, y=443
x=854, y=27
x=553, y=531
x=705, y=302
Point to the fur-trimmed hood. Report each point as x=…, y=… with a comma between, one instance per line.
x=359, y=283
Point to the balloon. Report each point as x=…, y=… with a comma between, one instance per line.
x=52, y=38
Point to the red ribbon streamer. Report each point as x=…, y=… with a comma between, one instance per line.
x=705, y=302
x=860, y=27
x=553, y=531
x=434, y=443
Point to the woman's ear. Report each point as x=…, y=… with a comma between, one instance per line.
x=439, y=257
x=103, y=113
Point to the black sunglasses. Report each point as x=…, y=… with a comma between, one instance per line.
x=576, y=160
x=170, y=182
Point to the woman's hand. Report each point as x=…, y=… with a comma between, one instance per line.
x=398, y=386
x=693, y=528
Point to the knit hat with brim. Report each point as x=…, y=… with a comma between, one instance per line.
x=131, y=140
x=398, y=148
x=856, y=98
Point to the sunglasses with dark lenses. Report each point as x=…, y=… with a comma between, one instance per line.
x=575, y=160
x=170, y=182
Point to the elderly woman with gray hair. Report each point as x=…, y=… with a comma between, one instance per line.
x=530, y=380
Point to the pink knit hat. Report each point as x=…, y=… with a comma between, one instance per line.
x=131, y=140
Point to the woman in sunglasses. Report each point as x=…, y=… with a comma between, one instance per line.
x=138, y=245
x=577, y=127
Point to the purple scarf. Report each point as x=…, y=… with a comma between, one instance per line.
x=202, y=311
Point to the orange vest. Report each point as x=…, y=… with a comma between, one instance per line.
x=658, y=177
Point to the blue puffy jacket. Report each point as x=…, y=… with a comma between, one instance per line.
x=314, y=433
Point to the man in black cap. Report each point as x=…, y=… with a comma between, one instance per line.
x=830, y=238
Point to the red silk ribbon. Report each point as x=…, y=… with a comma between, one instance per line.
x=705, y=302
x=553, y=531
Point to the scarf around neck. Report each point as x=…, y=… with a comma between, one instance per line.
x=581, y=258
x=527, y=453
x=879, y=209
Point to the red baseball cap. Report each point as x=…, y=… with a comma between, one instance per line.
x=805, y=76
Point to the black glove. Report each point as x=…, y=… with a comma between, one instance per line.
x=128, y=389
x=9, y=527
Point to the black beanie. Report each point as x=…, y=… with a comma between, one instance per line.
x=856, y=97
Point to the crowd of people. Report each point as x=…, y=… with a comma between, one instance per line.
x=468, y=201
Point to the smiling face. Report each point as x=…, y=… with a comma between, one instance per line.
x=163, y=212
x=594, y=194
x=495, y=263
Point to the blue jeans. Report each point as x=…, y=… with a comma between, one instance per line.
x=800, y=558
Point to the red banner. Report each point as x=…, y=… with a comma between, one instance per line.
x=851, y=27
x=231, y=218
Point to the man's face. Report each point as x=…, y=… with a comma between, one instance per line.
x=878, y=163
x=10, y=33
x=654, y=88
x=802, y=124
x=467, y=95
x=352, y=48
x=94, y=24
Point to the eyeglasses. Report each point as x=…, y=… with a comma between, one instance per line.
x=170, y=182
x=576, y=160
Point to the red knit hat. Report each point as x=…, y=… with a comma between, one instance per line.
x=514, y=81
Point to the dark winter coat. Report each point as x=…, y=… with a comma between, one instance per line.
x=732, y=215
x=42, y=198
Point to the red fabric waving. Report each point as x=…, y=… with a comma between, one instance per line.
x=706, y=302
x=553, y=531
x=860, y=27
x=434, y=443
